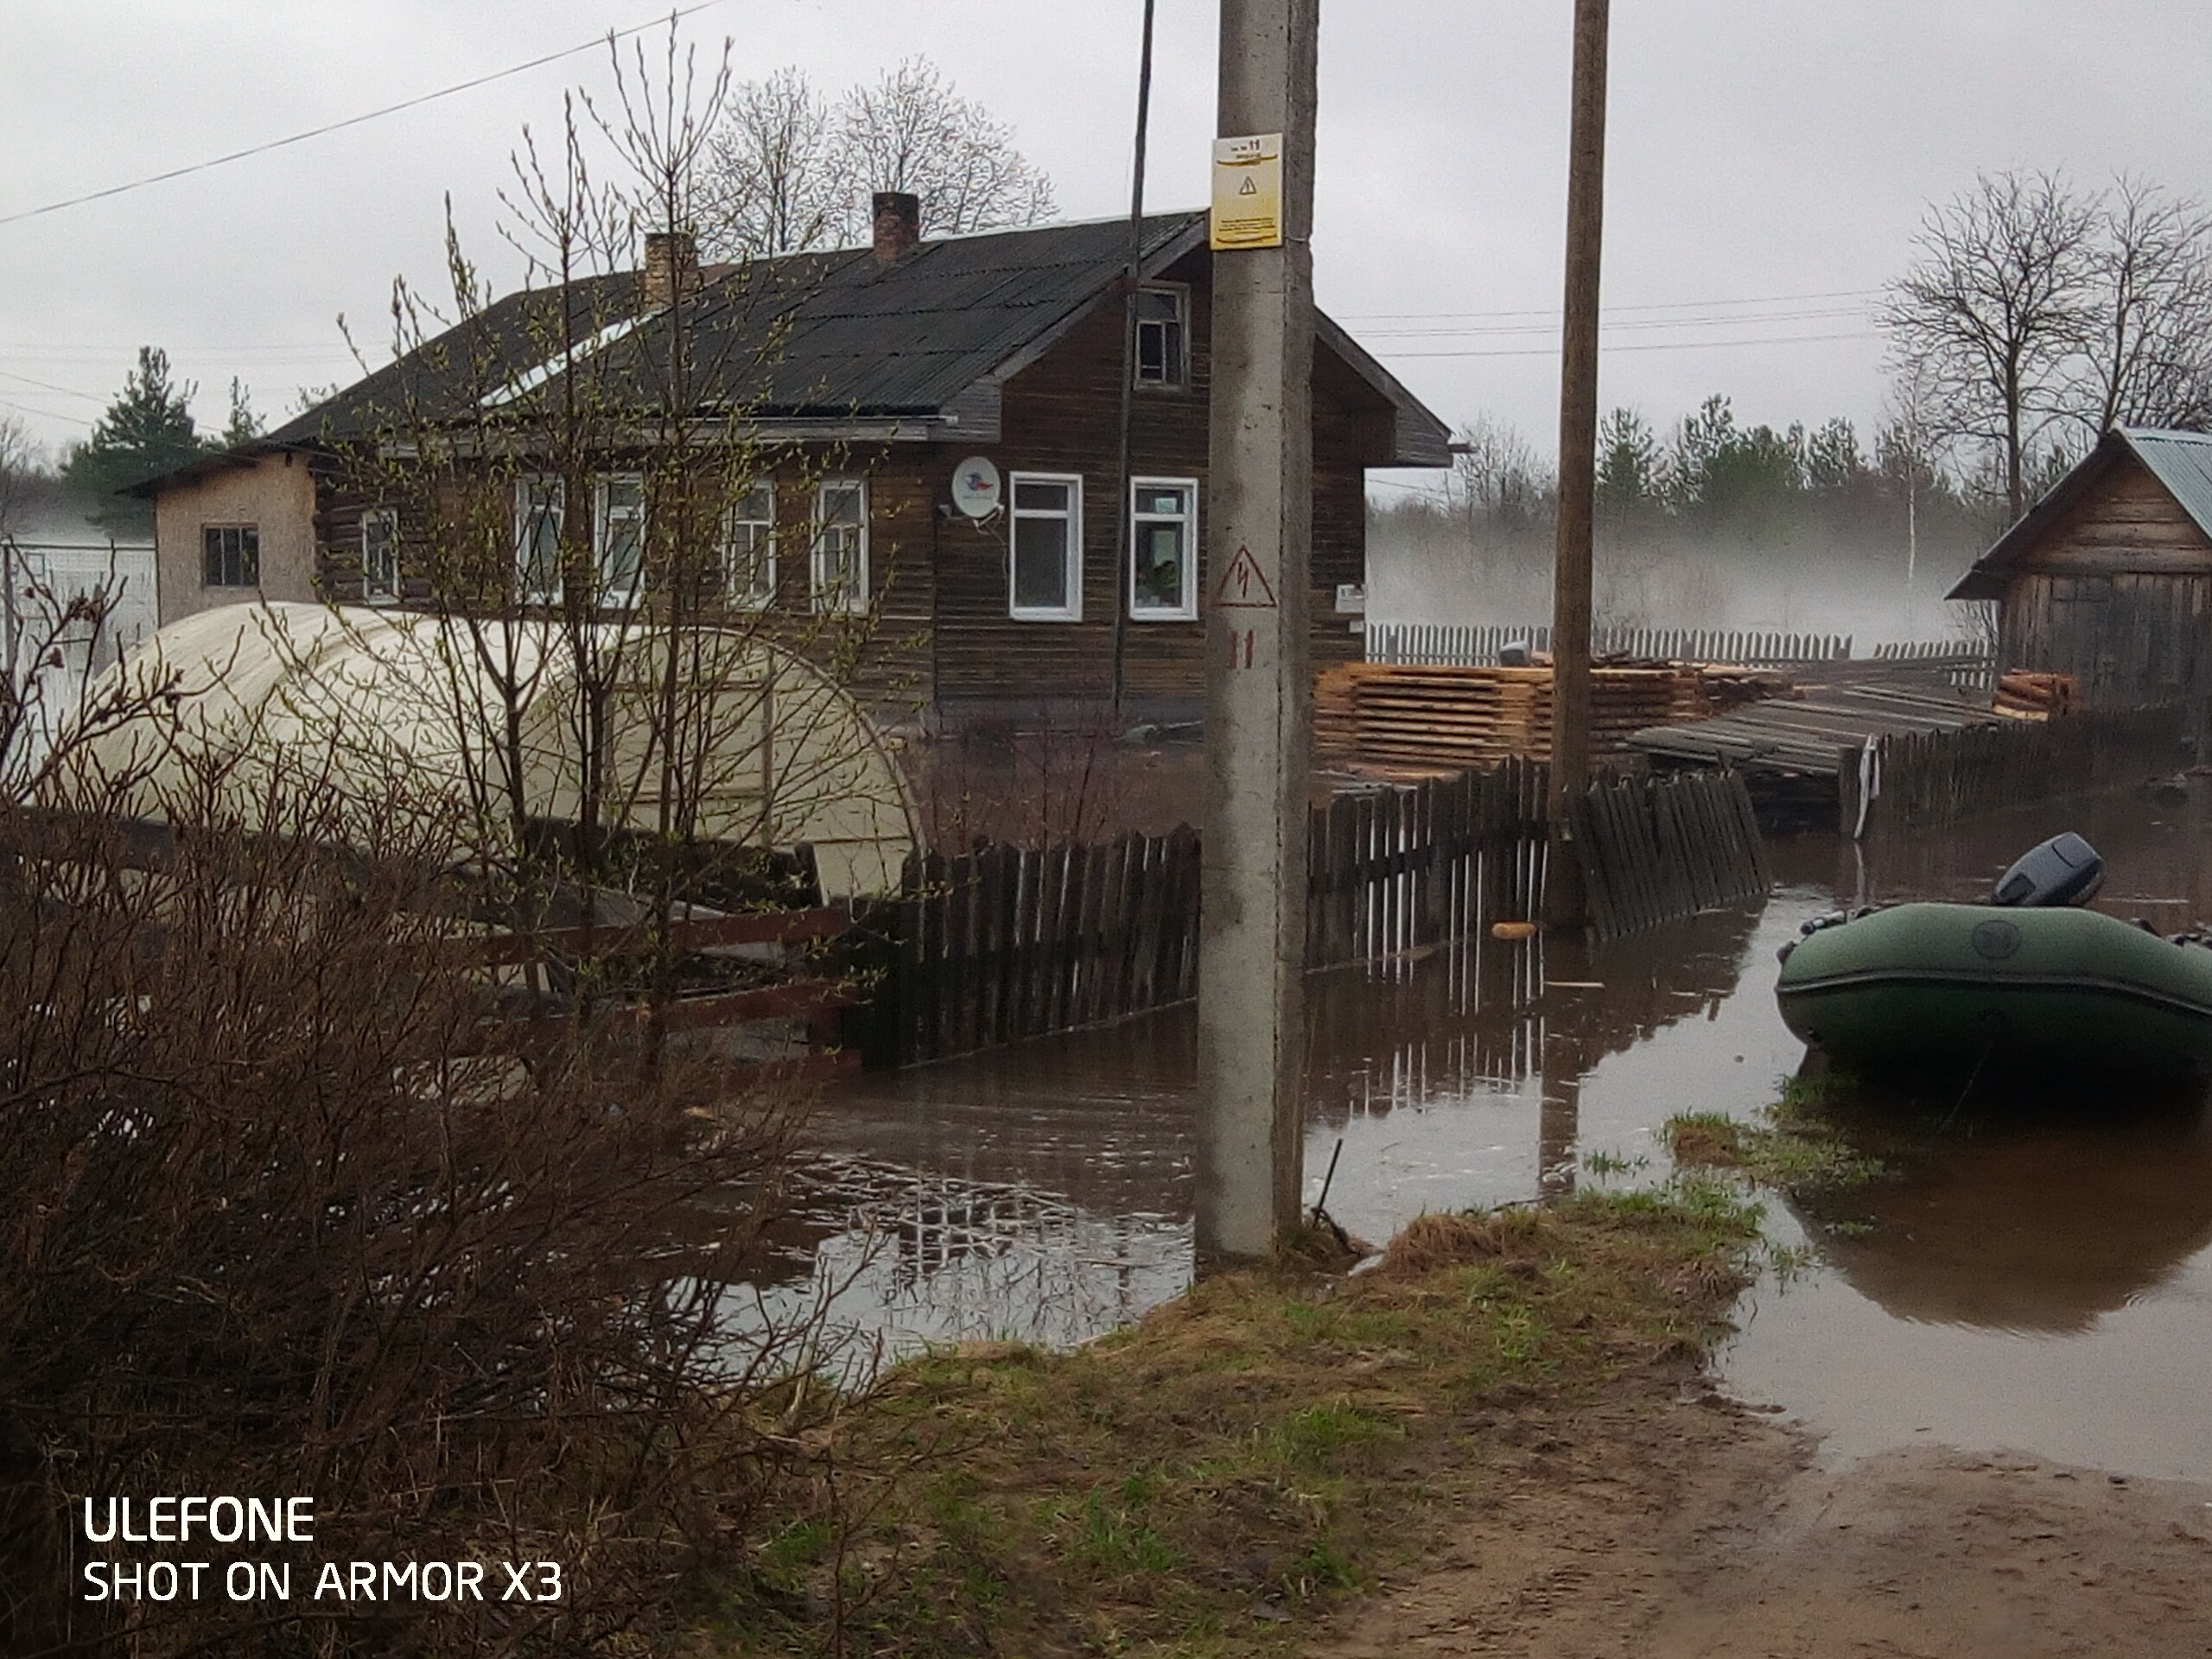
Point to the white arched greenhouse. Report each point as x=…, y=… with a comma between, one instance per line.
x=384, y=703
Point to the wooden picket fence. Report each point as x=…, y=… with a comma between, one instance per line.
x=1656, y=849
x=1006, y=943
x=1478, y=645
x=1925, y=779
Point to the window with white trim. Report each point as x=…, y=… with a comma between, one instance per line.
x=618, y=536
x=839, y=574
x=1163, y=548
x=1163, y=335
x=1045, y=547
x=749, y=547
x=379, y=555
x=540, y=506
x=230, y=555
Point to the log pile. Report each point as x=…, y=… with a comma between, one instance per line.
x=2024, y=694
x=1413, y=718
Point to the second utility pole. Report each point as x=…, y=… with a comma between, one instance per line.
x=1252, y=933
x=1578, y=458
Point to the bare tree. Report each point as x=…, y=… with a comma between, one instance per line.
x=772, y=183
x=1996, y=310
x=2147, y=357
x=911, y=131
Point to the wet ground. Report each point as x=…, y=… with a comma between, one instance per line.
x=2040, y=1283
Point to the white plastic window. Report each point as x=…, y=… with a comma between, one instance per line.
x=1045, y=547
x=1163, y=548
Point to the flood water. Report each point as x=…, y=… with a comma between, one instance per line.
x=2034, y=1281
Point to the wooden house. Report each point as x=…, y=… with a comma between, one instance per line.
x=2109, y=576
x=866, y=380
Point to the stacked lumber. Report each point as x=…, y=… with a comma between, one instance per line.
x=2024, y=694
x=1434, y=716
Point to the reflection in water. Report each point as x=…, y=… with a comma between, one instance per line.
x=2042, y=1285
x=1057, y=1201
x=899, y=1259
x=2032, y=1227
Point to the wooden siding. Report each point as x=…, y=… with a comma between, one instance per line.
x=2119, y=592
x=1060, y=415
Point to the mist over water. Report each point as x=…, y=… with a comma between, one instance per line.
x=1721, y=582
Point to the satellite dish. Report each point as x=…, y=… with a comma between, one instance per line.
x=976, y=488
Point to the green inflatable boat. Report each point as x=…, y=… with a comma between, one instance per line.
x=1927, y=985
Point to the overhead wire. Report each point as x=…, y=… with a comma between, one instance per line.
x=415, y=102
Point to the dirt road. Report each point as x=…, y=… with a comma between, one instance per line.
x=1697, y=1530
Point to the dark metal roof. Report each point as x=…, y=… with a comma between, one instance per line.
x=811, y=340
x=2181, y=462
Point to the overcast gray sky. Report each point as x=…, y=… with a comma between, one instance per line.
x=1767, y=162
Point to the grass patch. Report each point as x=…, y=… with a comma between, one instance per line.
x=1200, y=1483
x=1797, y=1150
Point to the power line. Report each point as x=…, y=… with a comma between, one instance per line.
x=1648, y=345
x=47, y=386
x=1657, y=305
x=1634, y=325
x=351, y=120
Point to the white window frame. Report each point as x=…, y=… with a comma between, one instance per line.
x=372, y=592
x=1072, y=573
x=1188, y=610
x=855, y=601
x=249, y=543
x=760, y=592
x=602, y=523
x=1178, y=372
x=556, y=508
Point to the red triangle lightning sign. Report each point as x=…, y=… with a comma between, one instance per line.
x=1244, y=586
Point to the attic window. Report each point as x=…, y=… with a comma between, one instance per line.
x=1163, y=336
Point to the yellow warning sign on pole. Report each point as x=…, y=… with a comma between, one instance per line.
x=1248, y=191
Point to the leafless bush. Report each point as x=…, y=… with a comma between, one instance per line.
x=288, y=1207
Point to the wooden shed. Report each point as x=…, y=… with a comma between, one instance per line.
x=2109, y=576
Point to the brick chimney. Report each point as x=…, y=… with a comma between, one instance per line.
x=671, y=267
x=898, y=224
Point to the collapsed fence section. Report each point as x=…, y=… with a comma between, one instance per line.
x=1922, y=780
x=1654, y=849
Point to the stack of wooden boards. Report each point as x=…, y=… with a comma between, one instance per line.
x=2024, y=694
x=1414, y=718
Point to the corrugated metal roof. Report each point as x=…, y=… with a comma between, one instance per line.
x=2181, y=462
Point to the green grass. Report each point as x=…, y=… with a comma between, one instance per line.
x=1266, y=1445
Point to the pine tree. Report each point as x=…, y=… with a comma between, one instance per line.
x=147, y=431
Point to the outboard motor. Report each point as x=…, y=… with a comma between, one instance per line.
x=2064, y=870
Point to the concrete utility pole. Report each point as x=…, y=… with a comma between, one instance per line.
x=1252, y=940
x=1577, y=455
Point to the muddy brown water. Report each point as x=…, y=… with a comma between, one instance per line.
x=2030, y=1279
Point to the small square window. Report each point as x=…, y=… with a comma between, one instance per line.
x=1044, y=549
x=230, y=555
x=1163, y=336
x=1163, y=548
x=379, y=555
